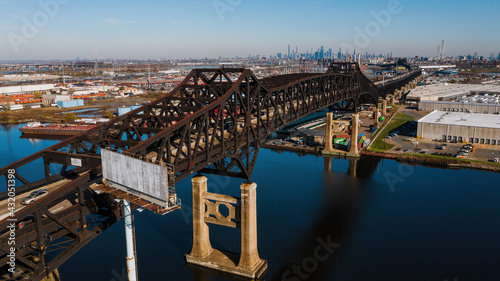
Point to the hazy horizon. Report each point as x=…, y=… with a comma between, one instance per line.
x=66, y=29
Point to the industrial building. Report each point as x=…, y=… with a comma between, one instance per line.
x=461, y=127
x=448, y=92
x=484, y=108
x=26, y=89
x=53, y=99
x=70, y=103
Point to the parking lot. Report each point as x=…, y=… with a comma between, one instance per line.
x=405, y=144
x=404, y=140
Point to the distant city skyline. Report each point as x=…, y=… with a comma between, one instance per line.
x=66, y=29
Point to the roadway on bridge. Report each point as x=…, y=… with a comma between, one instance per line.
x=51, y=188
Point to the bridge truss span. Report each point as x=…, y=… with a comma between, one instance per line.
x=214, y=122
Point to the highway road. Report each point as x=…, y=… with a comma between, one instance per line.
x=4, y=212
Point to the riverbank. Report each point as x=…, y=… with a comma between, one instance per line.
x=447, y=162
x=411, y=158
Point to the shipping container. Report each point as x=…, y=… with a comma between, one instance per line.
x=339, y=140
x=341, y=136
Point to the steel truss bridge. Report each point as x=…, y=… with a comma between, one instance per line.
x=214, y=123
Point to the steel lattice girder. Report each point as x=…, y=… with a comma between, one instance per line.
x=214, y=122
x=64, y=232
x=213, y=106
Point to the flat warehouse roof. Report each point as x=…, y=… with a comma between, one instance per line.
x=462, y=119
x=458, y=102
x=437, y=91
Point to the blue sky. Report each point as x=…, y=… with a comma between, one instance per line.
x=227, y=28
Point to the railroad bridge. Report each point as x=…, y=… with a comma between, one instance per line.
x=214, y=122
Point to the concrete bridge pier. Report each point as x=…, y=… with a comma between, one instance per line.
x=242, y=213
x=376, y=115
x=329, y=134
x=384, y=107
x=392, y=100
x=354, y=136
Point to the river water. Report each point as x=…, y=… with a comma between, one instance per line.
x=378, y=220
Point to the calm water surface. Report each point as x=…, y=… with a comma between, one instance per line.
x=387, y=221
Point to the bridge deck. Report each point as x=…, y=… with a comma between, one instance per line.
x=278, y=81
x=51, y=188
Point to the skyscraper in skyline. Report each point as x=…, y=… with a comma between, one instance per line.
x=288, y=50
x=442, y=49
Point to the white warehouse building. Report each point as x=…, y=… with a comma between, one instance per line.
x=461, y=127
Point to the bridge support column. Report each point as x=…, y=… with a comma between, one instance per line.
x=354, y=135
x=384, y=107
x=130, y=238
x=242, y=214
x=392, y=99
x=329, y=134
x=249, y=253
x=376, y=116
x=201, y=236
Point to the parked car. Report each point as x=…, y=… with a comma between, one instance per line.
x=495, y=160
x=35, y=195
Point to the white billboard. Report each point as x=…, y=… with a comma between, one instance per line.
x=136, y=175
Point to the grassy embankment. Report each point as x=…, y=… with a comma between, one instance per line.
x=379, y=145
x=454, y=159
